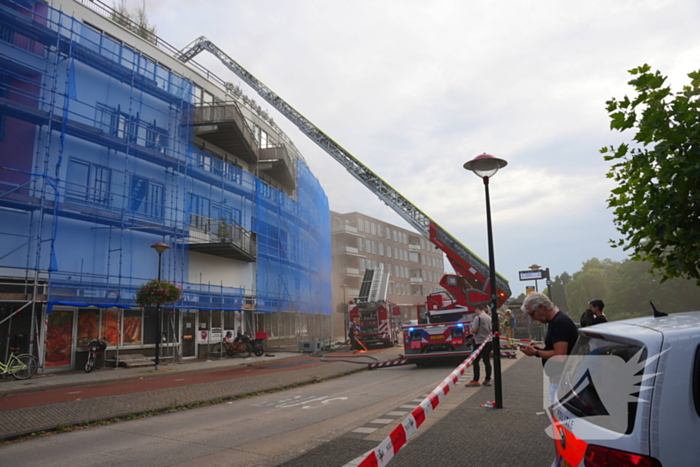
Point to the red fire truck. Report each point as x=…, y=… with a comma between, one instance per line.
x=375, y=322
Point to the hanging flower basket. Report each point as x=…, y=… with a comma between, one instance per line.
x=155, y=292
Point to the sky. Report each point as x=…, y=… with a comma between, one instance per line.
x=414, y=89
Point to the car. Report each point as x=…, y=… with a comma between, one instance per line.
x=629, y=395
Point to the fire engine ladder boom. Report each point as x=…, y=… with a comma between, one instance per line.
x=465, y=261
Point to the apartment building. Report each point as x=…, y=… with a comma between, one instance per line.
x=110, y=145
x=360, y=242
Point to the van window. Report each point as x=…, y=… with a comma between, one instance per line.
x=578, y=392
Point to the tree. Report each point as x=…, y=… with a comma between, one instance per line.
x=558, y=291
x=590, y=283
x=656, y=204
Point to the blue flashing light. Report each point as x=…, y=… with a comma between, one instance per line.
x=460, y=325
x=410, y=329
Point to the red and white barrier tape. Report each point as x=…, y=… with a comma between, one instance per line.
x=387, y=449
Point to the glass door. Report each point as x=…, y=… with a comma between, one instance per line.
x=189, y=329
x=59, y=339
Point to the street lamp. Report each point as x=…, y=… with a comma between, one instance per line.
x=160, y=247
x=535, y=267
x=345, y=313
x=486, y=166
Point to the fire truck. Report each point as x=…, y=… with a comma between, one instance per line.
x=469, y=286
x=376, y=319
x=375, y=322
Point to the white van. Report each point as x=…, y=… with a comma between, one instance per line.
x=599, y=420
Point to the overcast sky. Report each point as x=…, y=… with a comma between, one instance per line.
x=416, y=88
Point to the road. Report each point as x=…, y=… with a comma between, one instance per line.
x=264, y=430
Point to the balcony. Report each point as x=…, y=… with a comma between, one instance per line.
x=348, y=229
x=219, y=238
x=353, y=272
x=223, y=126
x=413, y=247
x=346, y=250
x=278, y=165
x=416, y=280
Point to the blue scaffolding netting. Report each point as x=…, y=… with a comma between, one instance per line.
x=97, y=163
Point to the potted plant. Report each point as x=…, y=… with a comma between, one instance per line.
x=155, y=292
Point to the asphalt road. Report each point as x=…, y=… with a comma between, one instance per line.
x=262, y=430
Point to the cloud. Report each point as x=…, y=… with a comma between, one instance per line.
x=414, y=89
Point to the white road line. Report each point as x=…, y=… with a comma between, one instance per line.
x=365, y=430
x=75, y=392
x=407, y=407
x=397, y=413
x=181, y=379
x=383, y=421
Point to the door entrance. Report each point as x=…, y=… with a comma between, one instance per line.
x=59, y=339
x=189, y=320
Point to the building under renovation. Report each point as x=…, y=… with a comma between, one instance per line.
x=108, y=145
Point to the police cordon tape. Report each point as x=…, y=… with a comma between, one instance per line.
x=387, y=449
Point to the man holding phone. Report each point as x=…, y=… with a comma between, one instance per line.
x=559, y=341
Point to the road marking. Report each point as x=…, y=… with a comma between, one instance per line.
x=397, y=413
x=365, y=430
x=407, y=407
x=383, y=421
x=181, y=379
x=305, y=402
x=75, y=392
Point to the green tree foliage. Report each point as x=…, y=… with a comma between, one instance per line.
x=656, y=204
x=626, y=288
x=633, y=286
x=590, y=283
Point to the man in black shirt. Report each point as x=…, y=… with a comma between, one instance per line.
x=596, y=307
x=561, y=336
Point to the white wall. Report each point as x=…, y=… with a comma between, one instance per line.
x=212, y=269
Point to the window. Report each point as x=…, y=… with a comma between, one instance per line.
x=362, y=264
x=391, y=287
x=388, y=233
x=395, y=237
x=147, y=197
x=362, y=244
x=413, y=257
x=381, y=249
x=157, y=139
x=199, y=209
x=88, y=182
x=388, y=251
x=373, y=227
x=374, y=247
x=405, y=237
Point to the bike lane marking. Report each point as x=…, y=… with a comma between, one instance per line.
x=143, y=384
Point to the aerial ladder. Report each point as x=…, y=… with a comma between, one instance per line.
x=474, y=271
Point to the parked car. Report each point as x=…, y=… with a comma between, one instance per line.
x=599, y=420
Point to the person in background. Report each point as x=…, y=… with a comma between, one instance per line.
x=596, y=306
x=481, y=330
x=351, y=336
x=509, y=324
x=561, y=337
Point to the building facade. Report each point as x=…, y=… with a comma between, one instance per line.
x=360, y=242
x=109, y=145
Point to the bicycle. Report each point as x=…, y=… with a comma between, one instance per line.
x=95, y=347
x=21, y=366
x=240, y=347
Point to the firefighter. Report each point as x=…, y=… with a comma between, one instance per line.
x=351, y=336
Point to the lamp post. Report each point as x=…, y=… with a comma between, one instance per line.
x=485, y=166
x=345, y=313
x=535, y=267
x=160, y=247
